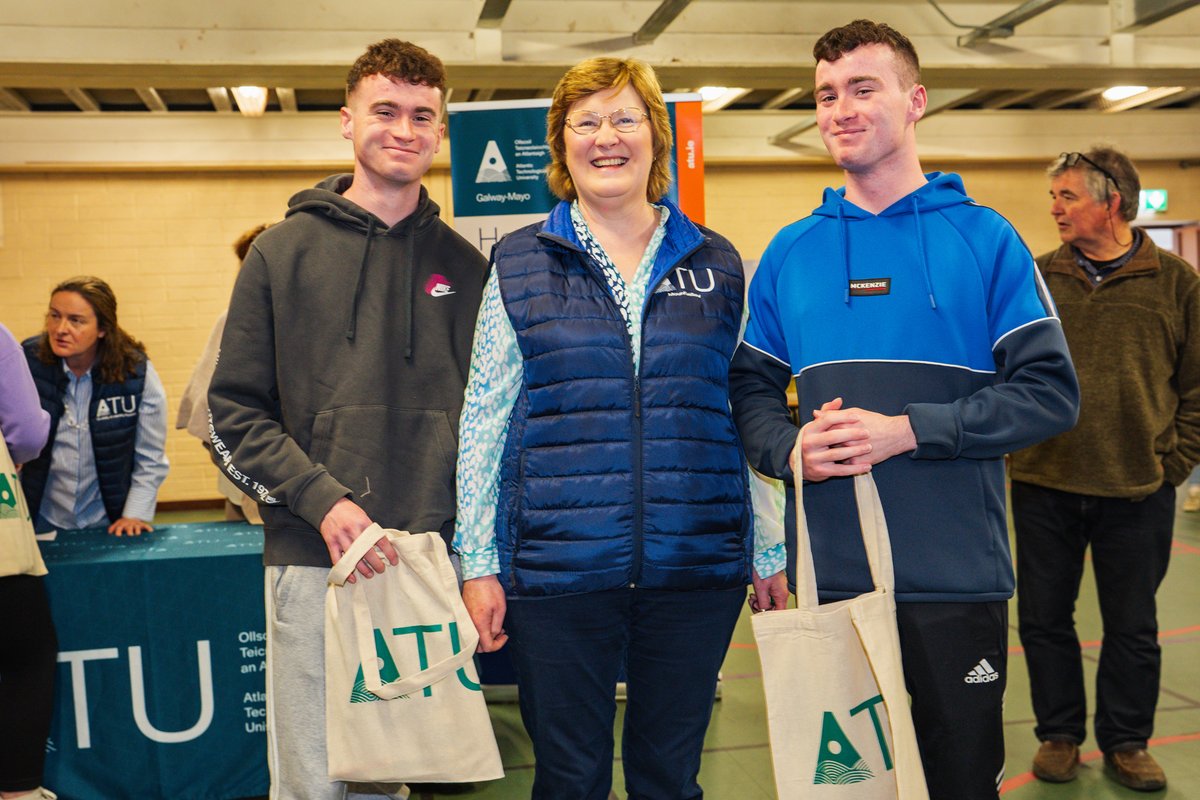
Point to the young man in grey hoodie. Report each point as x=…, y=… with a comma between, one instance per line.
x=337, y=392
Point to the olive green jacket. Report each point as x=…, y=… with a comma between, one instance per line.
x=1135, y=341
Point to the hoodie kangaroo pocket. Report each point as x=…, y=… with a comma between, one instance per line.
x=398, y=462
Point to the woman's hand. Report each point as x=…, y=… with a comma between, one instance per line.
x=484, y=599
x=128, y=526
x=770, y=594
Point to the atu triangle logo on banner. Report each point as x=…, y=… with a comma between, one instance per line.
x=492, y=168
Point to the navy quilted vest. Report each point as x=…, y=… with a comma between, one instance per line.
x=608, y=478
x=112, y=421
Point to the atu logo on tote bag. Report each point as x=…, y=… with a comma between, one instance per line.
x=837, y=708
x=402, y=698
x=386, y=662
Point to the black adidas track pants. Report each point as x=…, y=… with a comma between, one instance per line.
x=956, y=667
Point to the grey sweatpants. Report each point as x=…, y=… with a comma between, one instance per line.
x=295, y=605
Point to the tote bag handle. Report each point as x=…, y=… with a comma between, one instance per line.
x=874, y=533
x=364, y=628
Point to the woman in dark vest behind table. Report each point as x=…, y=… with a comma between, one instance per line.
x=108, y=426
x=604, y=520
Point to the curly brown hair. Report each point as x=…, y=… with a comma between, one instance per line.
x=242, y=245
x=400, y=61
x=837, y=42
x=597, y=75
x=118, y=353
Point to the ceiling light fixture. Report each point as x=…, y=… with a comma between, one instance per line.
x=251, y=100
x=714, y=98
x=1116, y=93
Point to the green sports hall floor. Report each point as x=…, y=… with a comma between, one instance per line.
x=737, y=761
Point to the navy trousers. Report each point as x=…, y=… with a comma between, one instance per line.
x=568, y=651
x=1131, y=547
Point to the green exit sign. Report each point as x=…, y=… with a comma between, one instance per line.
x=1152, y=201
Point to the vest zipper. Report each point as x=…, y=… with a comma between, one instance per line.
x=638, y=516
x=638, y=465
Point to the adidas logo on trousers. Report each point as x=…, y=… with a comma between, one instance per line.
x=982, y=673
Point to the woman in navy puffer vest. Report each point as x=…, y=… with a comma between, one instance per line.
x=604, y=513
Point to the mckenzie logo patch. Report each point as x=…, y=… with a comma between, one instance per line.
x=438, y=286
x=870, y=286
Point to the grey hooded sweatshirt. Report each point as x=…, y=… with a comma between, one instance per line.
x=342, y=369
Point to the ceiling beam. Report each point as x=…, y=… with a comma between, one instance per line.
x=1007, y=99
x=13, y=101
x=1133, y=15
x=287, y=100
x=1002, y=26
x=784, y=98
x=149, y=95
x=1182, y=97
x=784, y=137
x=492, y=15
x=1139, y=99
x=1071, y=96
x=728, y=97
x=947, y=99
x=219, y=97
x=82, y=99
x=663, y=16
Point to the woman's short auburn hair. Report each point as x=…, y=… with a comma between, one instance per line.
x=597, y=75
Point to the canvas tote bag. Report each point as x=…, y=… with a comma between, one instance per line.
x=402, y=697
x=837, y=708
x=19, y=553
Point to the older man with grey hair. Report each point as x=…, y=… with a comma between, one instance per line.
x=1131, y=313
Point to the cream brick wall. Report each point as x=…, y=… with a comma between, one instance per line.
x=750, y=203
x=164, y=242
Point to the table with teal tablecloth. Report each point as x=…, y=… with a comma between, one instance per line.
x=160, y=684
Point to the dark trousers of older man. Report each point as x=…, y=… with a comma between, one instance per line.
x=1130, y=542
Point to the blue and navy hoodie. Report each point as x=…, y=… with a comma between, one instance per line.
x=932, y=308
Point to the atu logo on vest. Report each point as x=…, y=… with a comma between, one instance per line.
x=687, y=284
x=116, y=407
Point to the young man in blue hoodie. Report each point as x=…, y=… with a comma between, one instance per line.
x=924, y=347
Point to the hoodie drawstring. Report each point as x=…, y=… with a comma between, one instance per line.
x=845, y=251
x=410, y=305
x=921, y=247
x=352, y=323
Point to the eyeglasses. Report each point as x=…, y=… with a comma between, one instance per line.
x=1071, y=159
x=625, y=120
